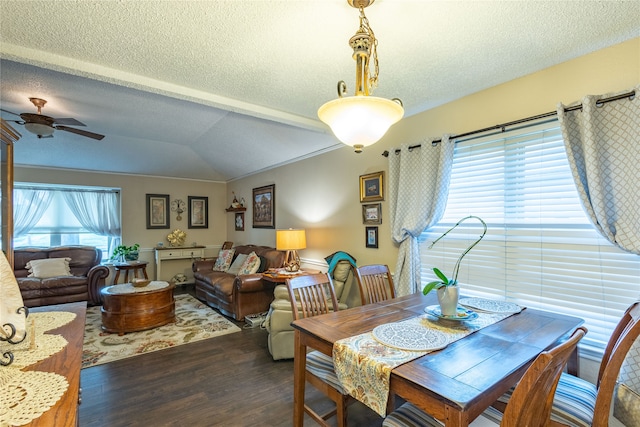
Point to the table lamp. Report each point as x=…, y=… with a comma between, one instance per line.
x=291, y=240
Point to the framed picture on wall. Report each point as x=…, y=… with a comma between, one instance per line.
x=157, y=211
x=198, y=212
x=239, y=221
x=371, y=187
x=372, y=213
x=371, y=235
x=264, y=204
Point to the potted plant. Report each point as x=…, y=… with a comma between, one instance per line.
x=126, y=253
x=448, y=291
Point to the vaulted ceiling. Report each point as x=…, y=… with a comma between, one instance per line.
x=218, y=90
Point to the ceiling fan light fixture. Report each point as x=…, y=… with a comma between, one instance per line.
x=39, y=129
x=361, y=120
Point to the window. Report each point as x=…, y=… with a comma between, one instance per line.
x=57, y=219
x=540, y=250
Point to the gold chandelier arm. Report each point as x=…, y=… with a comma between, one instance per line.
x=373, y=56
x=342, y=88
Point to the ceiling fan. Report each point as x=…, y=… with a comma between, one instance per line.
x=43, y=126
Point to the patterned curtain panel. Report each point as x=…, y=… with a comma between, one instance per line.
x=418, y=190
x=603, y=147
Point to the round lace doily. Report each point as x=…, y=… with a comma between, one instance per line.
x=24, y=396
x=44, y=344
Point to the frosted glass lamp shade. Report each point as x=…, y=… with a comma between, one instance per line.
x=39, y=129
x=360, y=121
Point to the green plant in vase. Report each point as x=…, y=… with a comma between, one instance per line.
x=448, y=290
x=125, y=253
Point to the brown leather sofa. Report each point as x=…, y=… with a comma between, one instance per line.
x=88, y=276
x=237, y=296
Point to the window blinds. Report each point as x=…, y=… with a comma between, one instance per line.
x=540, y=250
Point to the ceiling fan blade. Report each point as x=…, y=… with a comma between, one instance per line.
x=68, y=121
x=81, y=132
x=10, y=112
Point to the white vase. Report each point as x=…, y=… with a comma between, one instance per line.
x=448, y=300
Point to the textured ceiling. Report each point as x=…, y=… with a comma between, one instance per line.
x=221, y=89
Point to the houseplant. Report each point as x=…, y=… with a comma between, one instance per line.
x=126, y=253
x=447, y=289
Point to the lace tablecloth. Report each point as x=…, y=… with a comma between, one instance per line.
x=128, y=288
x=363, y=364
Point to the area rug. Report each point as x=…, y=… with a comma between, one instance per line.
x=195, y=321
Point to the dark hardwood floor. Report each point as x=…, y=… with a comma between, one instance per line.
x=225, y=381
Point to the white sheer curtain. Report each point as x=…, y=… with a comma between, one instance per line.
x=29, y=205
x=98, y=212
x=603, y=147
x=418, y=189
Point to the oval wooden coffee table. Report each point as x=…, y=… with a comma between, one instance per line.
x=126, y=308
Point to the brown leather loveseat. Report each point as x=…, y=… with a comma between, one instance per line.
x=84, y=284
x=237, y=296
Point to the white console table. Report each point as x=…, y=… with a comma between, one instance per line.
x=168, y=254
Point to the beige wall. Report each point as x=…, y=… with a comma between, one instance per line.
x=321, y=194
x=133, y=200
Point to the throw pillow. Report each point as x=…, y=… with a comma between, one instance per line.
x=237, y=263
x=263, y=265
x=224, y=260
x=50, y=267
x=250, y=265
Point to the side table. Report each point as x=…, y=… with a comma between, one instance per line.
x=134, y=267
x=276, y=276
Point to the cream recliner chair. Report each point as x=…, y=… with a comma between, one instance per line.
x=279, y=318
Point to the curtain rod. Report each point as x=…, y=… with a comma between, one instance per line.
x=629, y=95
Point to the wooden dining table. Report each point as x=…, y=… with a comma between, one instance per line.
x=455, y=384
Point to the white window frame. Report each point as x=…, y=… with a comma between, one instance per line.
x=70, y=226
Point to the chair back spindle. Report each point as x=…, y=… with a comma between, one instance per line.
x=375, y=282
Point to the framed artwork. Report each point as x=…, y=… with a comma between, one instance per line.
x=371, y=187
x=372, y=213
x=264, y=213
x=198, y=212
x=157, y=211
x=239, y=221
x=371, y=236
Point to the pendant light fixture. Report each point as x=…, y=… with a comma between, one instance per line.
x=361, y=120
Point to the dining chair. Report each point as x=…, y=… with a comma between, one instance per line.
x=579, y=402
x=313, y=295
x=531, y=401
x=626, y=404
x=375, y=282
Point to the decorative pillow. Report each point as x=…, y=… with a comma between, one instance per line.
x=237, y=263
x=224, y=260
x=263, y=264
x=250, y=265
x=50, y=267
